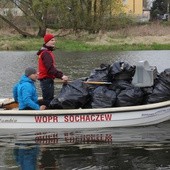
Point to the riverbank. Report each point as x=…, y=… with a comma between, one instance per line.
x=143, y=37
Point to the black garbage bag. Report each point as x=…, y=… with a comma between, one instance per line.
x=161, y=91
x=103, y=97
x=129, y=97
x=165, y=76
x=55, y=104
x=146, y=92
x=121, y=71
x=72, y=96
x=119, y=85
x=100, y=74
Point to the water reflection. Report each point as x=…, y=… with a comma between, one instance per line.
x=26, y=156
x=138, y=136
x=92, y=149
x=73, y=157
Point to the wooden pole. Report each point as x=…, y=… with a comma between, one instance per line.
x=87, y=82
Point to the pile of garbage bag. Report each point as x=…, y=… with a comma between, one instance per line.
x=161, y=89
x=121, y=92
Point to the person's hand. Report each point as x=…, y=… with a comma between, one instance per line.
x=42, y=107
x=65, y=78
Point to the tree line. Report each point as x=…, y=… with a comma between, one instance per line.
x=159, y=8
x=89, y=15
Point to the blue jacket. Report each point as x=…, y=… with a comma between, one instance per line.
x=25, y=94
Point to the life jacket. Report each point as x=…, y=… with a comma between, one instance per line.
x=43, y=72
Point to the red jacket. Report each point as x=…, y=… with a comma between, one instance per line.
x=47, y=65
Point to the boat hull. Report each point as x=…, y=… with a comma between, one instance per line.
x=86, y=118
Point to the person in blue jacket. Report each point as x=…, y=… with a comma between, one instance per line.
x=24, y=92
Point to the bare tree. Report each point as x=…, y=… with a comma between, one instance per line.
x=35, y=11
x=91, y=15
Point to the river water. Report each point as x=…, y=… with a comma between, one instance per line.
x=143, y=148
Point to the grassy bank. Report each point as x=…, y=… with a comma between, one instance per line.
x=143, y=37
x=17, y=43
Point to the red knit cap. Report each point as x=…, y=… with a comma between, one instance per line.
x=48, y=37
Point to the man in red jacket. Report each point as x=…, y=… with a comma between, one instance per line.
x=47, y=68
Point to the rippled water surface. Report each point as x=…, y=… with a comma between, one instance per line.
x=73, y=64
x=142, y=148
x=111, y=148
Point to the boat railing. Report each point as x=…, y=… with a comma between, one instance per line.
x=98, y=110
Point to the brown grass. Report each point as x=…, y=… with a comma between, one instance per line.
x=147, y=34
x=153, y=29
